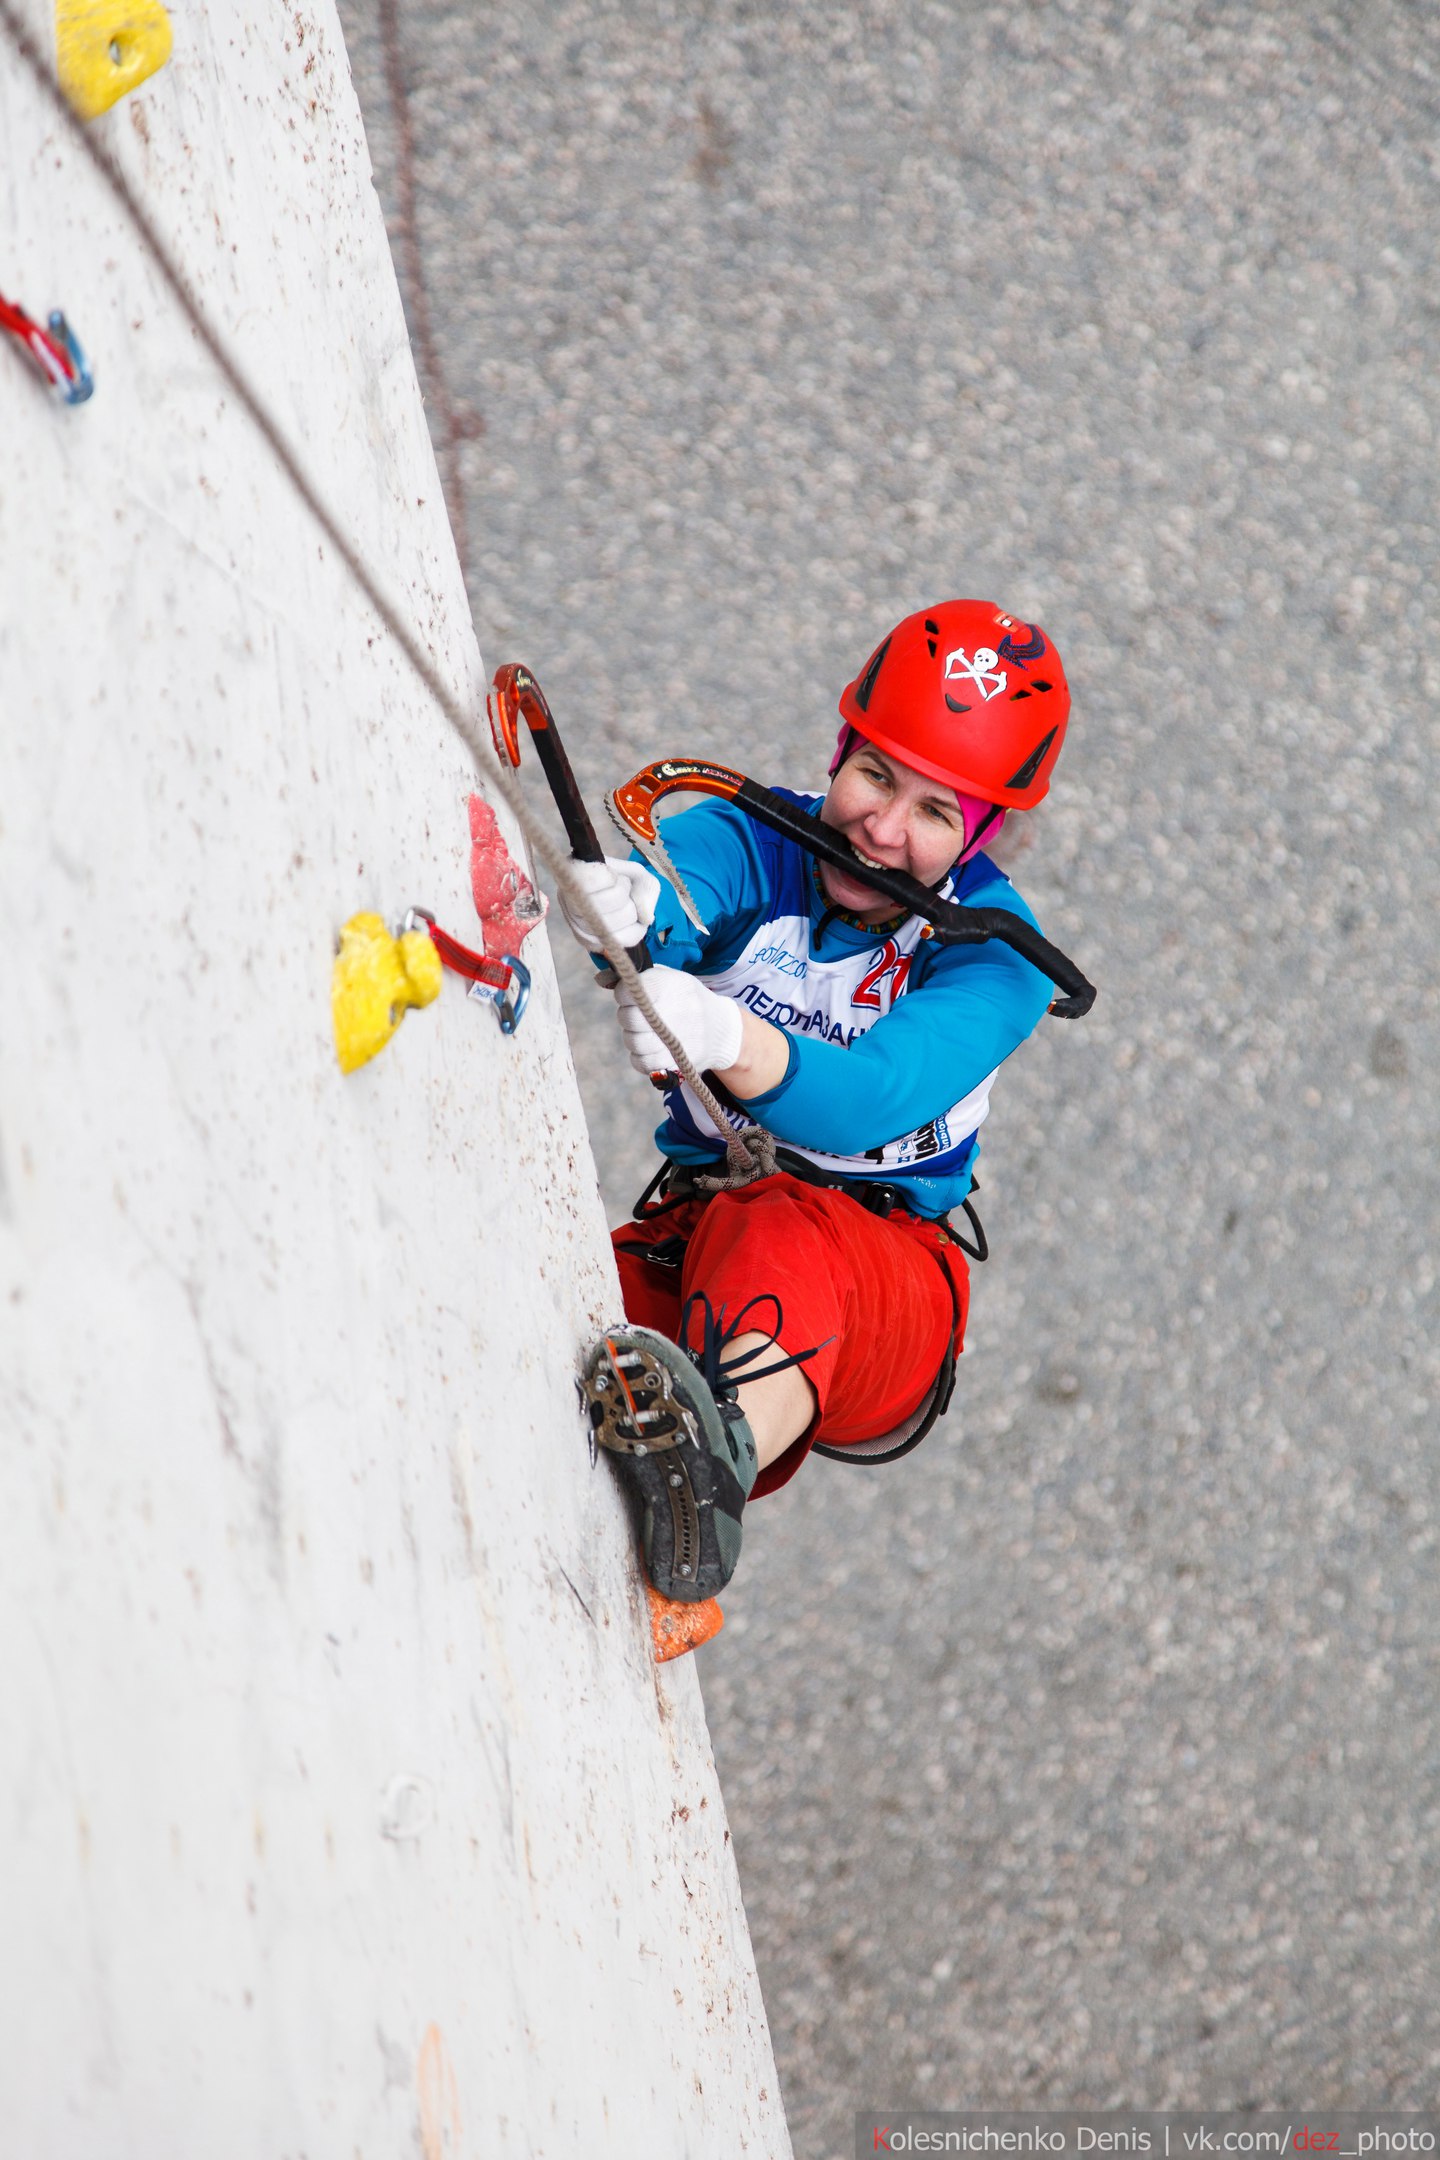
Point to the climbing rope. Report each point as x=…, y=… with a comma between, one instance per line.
x=743, y=1154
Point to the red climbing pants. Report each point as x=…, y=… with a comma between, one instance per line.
x=867, y=1290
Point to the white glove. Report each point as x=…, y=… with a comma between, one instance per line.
x=622, y=898
x=711, y=1028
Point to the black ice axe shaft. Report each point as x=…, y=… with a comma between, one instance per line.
x=515, y=695
x=633, y=809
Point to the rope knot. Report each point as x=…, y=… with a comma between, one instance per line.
x=751, y=1156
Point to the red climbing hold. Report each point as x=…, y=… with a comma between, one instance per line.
x=505, y=900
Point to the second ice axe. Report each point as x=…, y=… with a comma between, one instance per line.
x=633, y=805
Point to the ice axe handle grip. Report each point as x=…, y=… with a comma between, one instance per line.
x=579, y=827
x=579, y=830
x=964, y=925
x=515, y=695
x=584, y=844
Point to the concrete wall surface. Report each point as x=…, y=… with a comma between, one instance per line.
x=343, y=1810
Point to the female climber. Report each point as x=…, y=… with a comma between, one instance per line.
x=823, y=1304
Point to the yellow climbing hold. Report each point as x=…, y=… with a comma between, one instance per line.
x=106, y=48
x=376, y=978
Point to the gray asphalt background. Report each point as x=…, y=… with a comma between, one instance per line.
x=1088, y=1757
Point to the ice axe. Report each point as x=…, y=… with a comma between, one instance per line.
x=515, y=695
x=633, y=805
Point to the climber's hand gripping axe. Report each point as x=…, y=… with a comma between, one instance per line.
x=515, y=695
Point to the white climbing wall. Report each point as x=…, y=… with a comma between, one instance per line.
x=342, y=1810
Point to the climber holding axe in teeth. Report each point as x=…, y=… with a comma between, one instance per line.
x=847, y=972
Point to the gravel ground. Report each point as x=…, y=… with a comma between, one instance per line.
x=1088, y=1757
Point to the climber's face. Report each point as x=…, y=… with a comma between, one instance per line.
x=898, y=818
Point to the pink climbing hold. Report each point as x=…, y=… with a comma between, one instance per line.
x=506, y=902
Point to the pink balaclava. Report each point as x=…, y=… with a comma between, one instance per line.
x=983, y=820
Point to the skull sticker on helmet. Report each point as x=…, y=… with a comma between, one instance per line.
x=983, y=670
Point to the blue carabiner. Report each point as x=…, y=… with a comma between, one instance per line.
x=510, y=1008
x=82, y=383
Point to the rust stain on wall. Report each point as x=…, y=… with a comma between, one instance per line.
x=439, y=2098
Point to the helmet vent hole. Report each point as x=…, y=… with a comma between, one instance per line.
x=932, y=631
x=1041, y=686
x=931, y=643
x=1019, y=694
x=864, y=689
x=1032, y=764
x=954, y=704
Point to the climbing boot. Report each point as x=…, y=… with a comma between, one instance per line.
x=688, y=1453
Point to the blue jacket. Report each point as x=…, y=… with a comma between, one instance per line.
x=895, y=1039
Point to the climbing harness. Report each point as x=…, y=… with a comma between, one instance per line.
x=908, y=1434
x=676, y=1183
x=503, y=983
x=56, y=351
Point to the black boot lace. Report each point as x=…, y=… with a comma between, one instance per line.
x=724, y=1376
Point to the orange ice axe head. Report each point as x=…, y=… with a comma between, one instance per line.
x=632, y=807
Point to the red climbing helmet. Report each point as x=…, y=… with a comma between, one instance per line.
x=969, y=695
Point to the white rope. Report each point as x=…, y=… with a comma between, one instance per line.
x=744, y=1155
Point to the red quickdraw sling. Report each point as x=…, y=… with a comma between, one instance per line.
x=55, y=350
x=508, y=978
